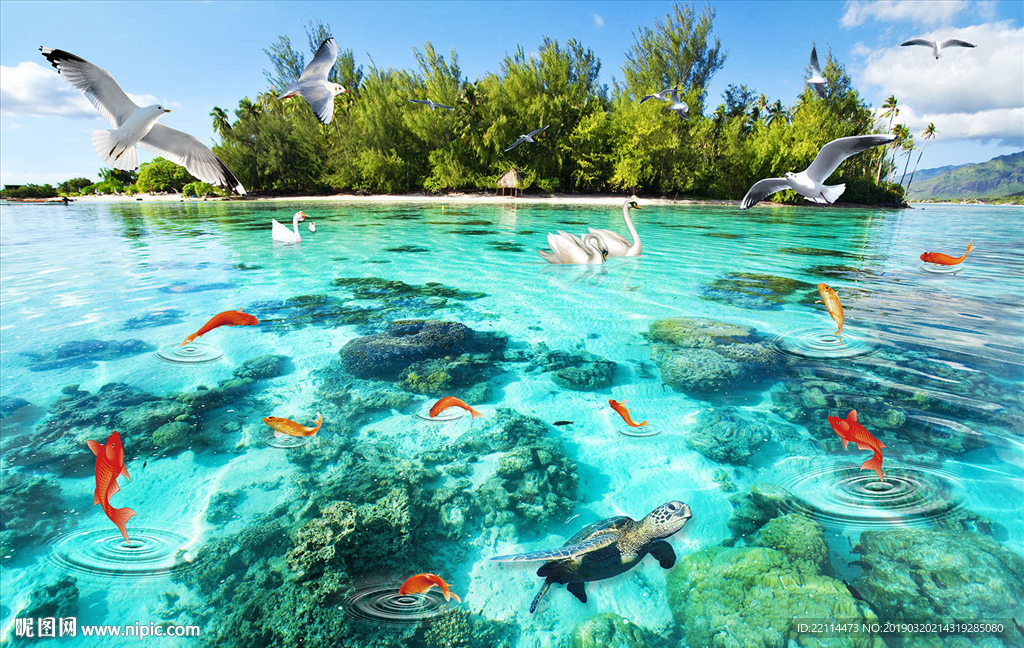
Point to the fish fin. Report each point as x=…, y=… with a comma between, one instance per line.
x=455, y=596
x=846, y=444
x=863, y=446
x=124, y=472
x=852, y=416
x=280, y=435
x=970, y=246
x=839, y=334
x=113, y=489
x=881, y=445
x=474, y=413
x=120, y=517
x=874, y=463
x=95, y=447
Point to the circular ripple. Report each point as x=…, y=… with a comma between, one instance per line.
x=287, y=441
x=849, y=496
x=444, y=416
x=382, y=603
x=941, y=269
x=190, y=353
x=103, y=552
x=640, y=432
x=822, y=345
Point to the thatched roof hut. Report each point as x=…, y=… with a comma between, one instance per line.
x=509, y=180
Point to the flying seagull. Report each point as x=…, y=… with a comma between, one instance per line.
x=431, y=104
x=137, y=125
x=936, y=46
x=313, y=85
x=678, y=107
x=660, y=96
x=811, y=183
x=526, y=138
x=816, y=80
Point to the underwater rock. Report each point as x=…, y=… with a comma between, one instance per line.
x=533, y=483
x=55, y=600
x=405, y=342
x=263, y=367
x=753, y=290
x=924, y=574
x=460, y=628
x=578, y=370
x=376, y=288
x=439, y=377
x=751, y=510
x=608, y=630
x=738, y=597
x=698, y=371
x=505, y=246
x=161, y=317
x=407, y=249
x=33, y=512
x=724, y=435
x=183, y=287
x=698, y=333
x=176, y=434
x=316, y=544
x=797, y=536
x=85, y=353
x=11, y=404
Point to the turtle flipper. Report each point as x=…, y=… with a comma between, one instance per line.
x=568, y=551
x=536, y=599
x=577, y=590
x=663, y=552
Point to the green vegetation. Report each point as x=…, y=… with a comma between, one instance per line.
x=999, y=178
x=29, y=191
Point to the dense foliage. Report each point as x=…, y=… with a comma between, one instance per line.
x=20, y=192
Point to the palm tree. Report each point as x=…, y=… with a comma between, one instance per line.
x=902, y=134
x=777, y=110
x=929, y=133
x=221, y=124
x=889, y=110
x=908, y=146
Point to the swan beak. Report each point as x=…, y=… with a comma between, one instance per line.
x=636, y=206
x=604, y=255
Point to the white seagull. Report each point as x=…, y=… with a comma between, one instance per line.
x=660, y=96
x=526, y=138
x=679, y=107
x=816, y=80
x=137, y=125
x=313, y=85
x=811, y=183
x=431, y=104
x=937, y=46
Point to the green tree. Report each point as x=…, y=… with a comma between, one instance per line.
x=890, y=110
x=162, y=175
x=73, y=186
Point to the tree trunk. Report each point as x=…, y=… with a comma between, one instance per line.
x=911, y=181
x=906, y=166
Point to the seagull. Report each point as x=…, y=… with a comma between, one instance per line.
x=660, y=96
x=137, y=125
x=679, y=107
x=313, y=85
x=526, y=138
x=431, y=104
x=810, y=183
x=936, y=46
x=816, y=80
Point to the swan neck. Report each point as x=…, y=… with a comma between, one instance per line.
x=295, y=224
x=629, y=225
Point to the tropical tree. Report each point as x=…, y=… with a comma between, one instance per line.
x=929, y=133
x=908, y=148
x=162, y=175
x=889, y=110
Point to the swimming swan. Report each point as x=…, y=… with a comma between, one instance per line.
x=616, y=244
x=568, y=249
x=282, y=234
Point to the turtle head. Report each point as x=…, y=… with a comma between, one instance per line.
x=668, y=518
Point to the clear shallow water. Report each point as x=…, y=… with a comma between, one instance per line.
x=932, y=362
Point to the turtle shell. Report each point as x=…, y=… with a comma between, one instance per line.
x=591, y=554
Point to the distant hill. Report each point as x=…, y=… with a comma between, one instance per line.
x=999, y=176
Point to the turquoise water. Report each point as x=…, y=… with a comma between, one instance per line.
x=261, y=541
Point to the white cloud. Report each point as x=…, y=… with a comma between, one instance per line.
x=1003, y=125
x=598, y=20
x=984, y=84
x=32, y=89
x=919, y=11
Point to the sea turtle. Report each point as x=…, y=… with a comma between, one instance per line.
x=607, y=548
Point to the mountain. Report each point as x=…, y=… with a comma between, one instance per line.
x=1000, y=176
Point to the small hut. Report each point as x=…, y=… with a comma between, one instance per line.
x=509, y=180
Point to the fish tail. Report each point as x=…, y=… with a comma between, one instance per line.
x=455, y=596
x=474, y=413
x=319, y=421
x=970, y=246
x=839, y=334
x=874, y=463
x=120, y=517
x=189, y=339
x=536, y=599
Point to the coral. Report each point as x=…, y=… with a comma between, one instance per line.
x=33, y=512
x=55, y=600
x=534, y=483
x=173, y=435
x=753, y=509
x=578, y=370
x=263, y=367
x=439, y=377
x=162, y=317
x=800, y=538
x=724, y=435
x=608, y=630
x=697, y=333
x=754, y=291
x=11, y=404
x=317, y=543
x=924, y=574
x=698, y=371
x=84, y=354
x=459, y=628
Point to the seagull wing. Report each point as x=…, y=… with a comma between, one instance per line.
x=918, y=41
x=189, y=152
x=320, y=99
x=832, y=154
x=952, y=42
x=425, y=102
x=650, y=96
x=522, y=138
x=815, y=68
x=445, y=107
x=820, y=87
x=324, y=59
x=95, y=82
x=539, y=130
x=761, y=190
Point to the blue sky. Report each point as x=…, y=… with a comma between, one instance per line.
x=196, y=55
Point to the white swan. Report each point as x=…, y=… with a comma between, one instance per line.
x=312, y=226
x=282, y=234
x=572, y=250
x=615, y=243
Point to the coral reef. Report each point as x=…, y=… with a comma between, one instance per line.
x=161, y=317
x=578, y=370
x=725, y=436
x=608, y=630
x=56, y=600
x=33, y=512
x=753, y=509
x=799, y=537
x=754, y=291
x=11, y=404
x=84, y=354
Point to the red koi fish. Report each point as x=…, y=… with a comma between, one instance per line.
x=291, y=428
x=850, y=430
x=835, y=308
x=451, y=401
x=227, y=318
x=110, y=465
x=624, y=413
x=420, y=583
x=944, y=259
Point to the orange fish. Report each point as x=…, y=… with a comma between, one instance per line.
x=944, y=259
x=110, y=465
x=835, y=309
x=291, y=428
x=624, y=413
x=420, y=583
x=227, y=318
x=451, y=401
x=850, y=430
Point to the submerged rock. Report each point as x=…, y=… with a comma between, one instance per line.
x=85, y=353
x=11, y=404
x=162, y=317
x=608, y=630
x=55, y=600
x=724, y=435
x=753, y=509
x=754, y=291
x=578, y=370
x=33, y=512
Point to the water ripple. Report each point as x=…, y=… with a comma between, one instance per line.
x=941, y=269
x=381, y=602
x=820, y=345
x=190, y=353
x=103, y=552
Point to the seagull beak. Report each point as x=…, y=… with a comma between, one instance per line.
x=167, y=110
